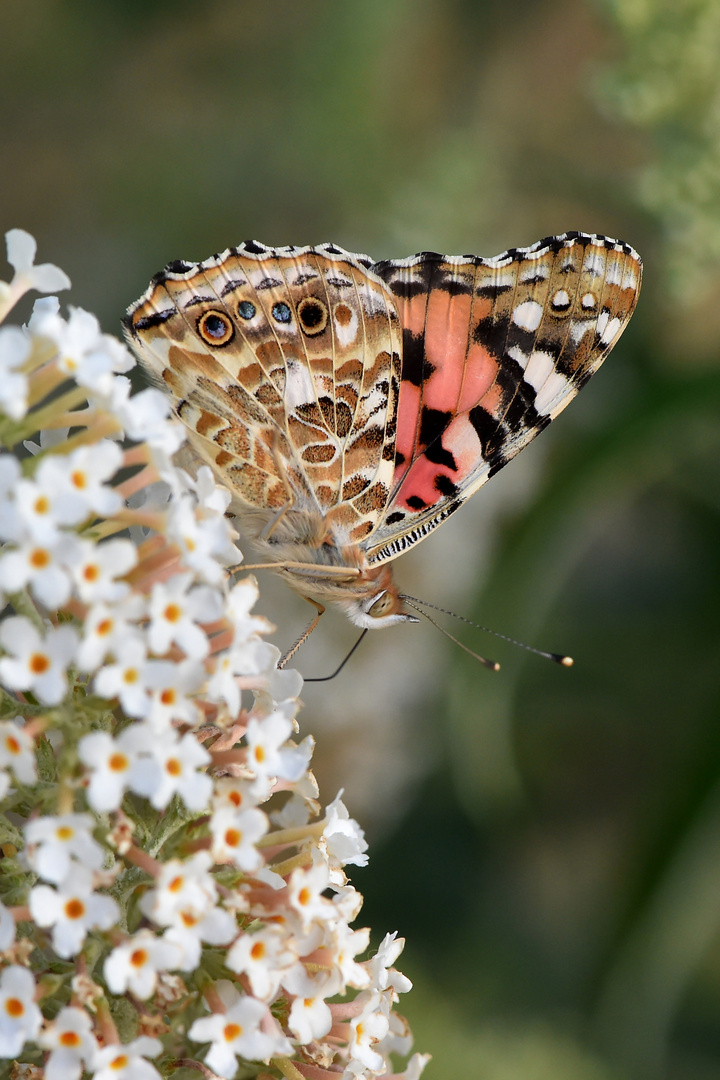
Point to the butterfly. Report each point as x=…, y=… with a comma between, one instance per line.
x=352, y=406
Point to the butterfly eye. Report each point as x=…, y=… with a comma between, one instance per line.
x=313, y=315
x=384, y=605
x=246, y=310
x=215, y=328
x=281, y=313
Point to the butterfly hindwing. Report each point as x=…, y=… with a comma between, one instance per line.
x=493, y=350
x=284, y=365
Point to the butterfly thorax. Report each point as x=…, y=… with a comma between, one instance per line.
x=325, y=568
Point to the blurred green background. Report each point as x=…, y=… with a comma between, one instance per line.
x=548, y=840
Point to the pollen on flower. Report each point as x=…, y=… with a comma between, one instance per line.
x=304, y=897
x=70, y=1039
x=39, y=663
x=104, y=627
x=173, y=613
x=258, y=950
x=12, y=745
x=173, y=766
x=79, y=478
x=138, y=958
x=232, y=1032
x=39, y=558
x=233, y=837
x=176, y=884
x=42, y=504
x=120, y=1062
x=168, y=697
x=64, y=832
x=91, y=572
x=75, y=909
x=118, y=762
x=131, y=675
x=14, y=1008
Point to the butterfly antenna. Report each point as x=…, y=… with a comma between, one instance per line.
x=557, y=658
x=492, y=664
x=327, y=678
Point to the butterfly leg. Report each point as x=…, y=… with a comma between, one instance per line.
x=320, y=608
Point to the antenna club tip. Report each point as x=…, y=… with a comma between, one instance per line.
x=567, y=661
x=494, y=666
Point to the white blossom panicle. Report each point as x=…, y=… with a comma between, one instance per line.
x=162, y=831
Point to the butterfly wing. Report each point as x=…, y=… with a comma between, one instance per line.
x=493, y=350
x=284, y=365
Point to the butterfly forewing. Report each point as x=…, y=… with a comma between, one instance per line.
x=493, y=350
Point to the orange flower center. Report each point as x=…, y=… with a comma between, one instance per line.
x=39, y=663
x=75, y=909
x=39, y=558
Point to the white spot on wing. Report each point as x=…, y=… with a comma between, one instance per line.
x=551, y=392
x=299, y=388
x=588, y=301
x=578, y=329
x=540, y=367
x=517, y=354
x=614, y=274
x=528, y=315
x=607, y=328
x=594, y=264
x=561, y=299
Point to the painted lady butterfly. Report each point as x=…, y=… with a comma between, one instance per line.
x=352, y=406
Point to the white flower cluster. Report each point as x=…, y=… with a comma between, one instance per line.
x=173, y=878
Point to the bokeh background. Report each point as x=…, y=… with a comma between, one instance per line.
x=548, y=840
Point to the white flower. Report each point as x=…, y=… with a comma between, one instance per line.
x=235, y=835
x=268, y=754
x=21, y=249
x=17, y=750
x=183, y=886
x=206, y=544
x=310, y=1018
x=125, y=679
x=84, y=474
x=126, y=1061
x=7, y=930
x=49, y=500
x=345, y=840
x=306, y=887
x=171, y=768
x=367, y=1029
x=217, y=927
x=170, y=685
x=42, y=566
x=175, y=610
x=37, y=664
x=135, y=964
x=56, y=845
x=95, y=568
x=15, y=348
x=72, y=910
x=111, y=762
x=346, y=945
x=382, y=973
x=145, y=419
x=71, y=1043
x=20, y=1018
x=85, y=354
x=264, y=956
x=107, y=627
x=235, y=1033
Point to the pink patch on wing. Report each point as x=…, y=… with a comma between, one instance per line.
x=420, y=482
x=412, y=313
x=446, y=342
x=480, y=372
x=407, y=423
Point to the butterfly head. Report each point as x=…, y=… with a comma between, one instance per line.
x=379, y=609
